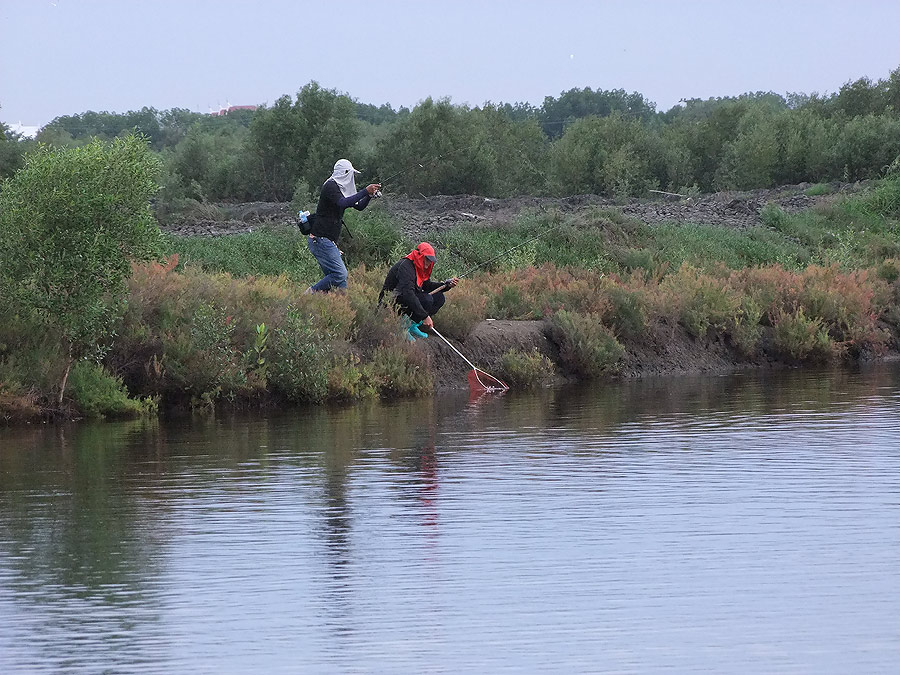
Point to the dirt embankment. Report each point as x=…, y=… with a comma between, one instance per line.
x=430, y=215
x=662, y=350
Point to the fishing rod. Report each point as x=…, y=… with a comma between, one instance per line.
x=428, y=163
x=447, y=284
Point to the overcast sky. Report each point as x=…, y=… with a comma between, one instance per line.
x=62, y=57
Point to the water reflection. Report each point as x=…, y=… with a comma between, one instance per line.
x=662, y=523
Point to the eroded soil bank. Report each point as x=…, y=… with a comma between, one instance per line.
x=662, y=350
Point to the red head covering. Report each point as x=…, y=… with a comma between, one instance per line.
x=423, y=258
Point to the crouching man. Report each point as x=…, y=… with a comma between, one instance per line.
x=409, y=284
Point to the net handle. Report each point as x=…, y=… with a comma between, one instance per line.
x=449, y=344
x=475, y=369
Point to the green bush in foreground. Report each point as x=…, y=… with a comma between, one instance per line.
x=71, y=222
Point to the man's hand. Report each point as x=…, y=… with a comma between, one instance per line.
x=427, y=322
x=373, y=188
x=453, y=281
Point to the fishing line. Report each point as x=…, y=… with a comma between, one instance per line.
x=429, y=163
x=446, y=284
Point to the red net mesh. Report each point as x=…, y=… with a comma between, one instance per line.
x=480, y=381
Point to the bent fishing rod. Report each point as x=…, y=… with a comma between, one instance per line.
x=428, y=163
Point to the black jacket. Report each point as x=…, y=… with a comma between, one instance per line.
x=330, y=210
x=401, y=283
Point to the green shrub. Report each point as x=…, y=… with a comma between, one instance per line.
x=332, y=313
x=398, y=370
x=705, y=302
x=587, y=348
x=705, y=246
x=509, y=303
x=98, y=394
x=374, y=238
x=888, y=271
x=71, y=222
x=637, y=259
x=30, y=355
x=300, y=360
x=627, y=314
x=349, y=380
x=711, y=307
x=526, y=369
x=817, y=190
x=773, y=216
x=269, y=251
x=200, y=357
x=464, y=309
x=882, y=200
x=304, y=199
x=744, y=328
x=373, y=324
x=799, y=337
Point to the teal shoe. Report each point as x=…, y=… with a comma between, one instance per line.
x=415, y=332
x=405, y=325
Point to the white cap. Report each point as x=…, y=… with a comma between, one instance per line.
x=343, y=167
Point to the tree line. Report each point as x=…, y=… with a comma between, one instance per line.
x=607, y=142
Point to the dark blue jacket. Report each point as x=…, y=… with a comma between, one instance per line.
x=330, y=211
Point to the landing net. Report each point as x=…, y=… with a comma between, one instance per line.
x=481, y=382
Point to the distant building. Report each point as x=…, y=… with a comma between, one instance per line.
x=232, y=108
x=23, y=130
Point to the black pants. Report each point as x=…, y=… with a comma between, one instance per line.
x=430, y=303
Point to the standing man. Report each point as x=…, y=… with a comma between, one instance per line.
x=338, y=193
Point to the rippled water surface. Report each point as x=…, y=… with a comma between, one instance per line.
x=735, y=524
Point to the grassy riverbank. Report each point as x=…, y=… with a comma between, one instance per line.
x=224, y=321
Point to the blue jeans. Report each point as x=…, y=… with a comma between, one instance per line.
x=328, y=256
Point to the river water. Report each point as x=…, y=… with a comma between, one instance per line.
x=748, y=523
